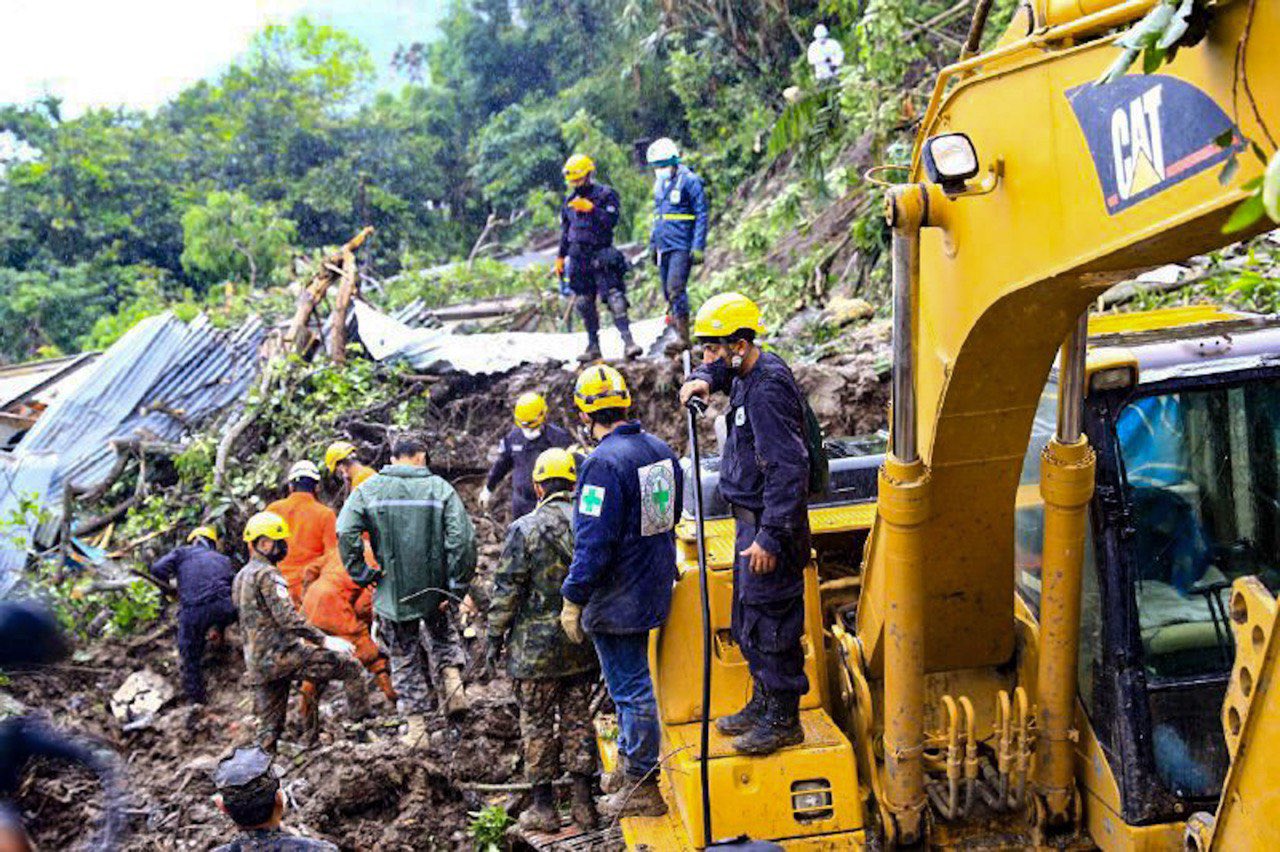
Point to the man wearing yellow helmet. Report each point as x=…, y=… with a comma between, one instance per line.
x=204, y=580
x=553, y=676
x=340, y=459
x=518, y=450
x=620, y=580
x=279, y=645
x=764, y=474
x=587, y=257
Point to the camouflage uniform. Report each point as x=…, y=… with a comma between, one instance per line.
x=280, y=647
x=553, y=675
x=415, y=647
x=274, y=840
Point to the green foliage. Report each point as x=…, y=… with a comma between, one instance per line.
x=230, y=237
x=76, y=604
x=489, y=828
x=1169, y=25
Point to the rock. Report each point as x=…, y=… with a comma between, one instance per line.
x=842, y=311
x=139, y=698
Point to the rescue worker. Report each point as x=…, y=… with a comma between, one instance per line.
x=203, y=576
x=279, y=646
x=426, y=547
x=678, y=240
x=587, y=256
x=553, y=676
x=249, y=793
x=332, y=601
x=518, y=451
x=620, y=580
x=825, y=55
x=340, y=459
x=764, y=474
x=312, y=525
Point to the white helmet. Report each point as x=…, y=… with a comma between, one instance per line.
x=305, y=469
x=820, y=31
x=662, y=152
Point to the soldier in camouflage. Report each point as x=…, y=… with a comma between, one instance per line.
x=279, y=645
x=553, y=676
x=249, y=793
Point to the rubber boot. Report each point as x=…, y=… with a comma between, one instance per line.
x=584, y=803
x=745, y=719
x=636, y=798
x=618, y=307
x=455, y=696
x=680, y=342
x=309, y=711
x=776, y=728
x=541, y=816
x=615, y=779
x=630, y=349
x=592, y=352
x=591, y=322
x=415, y=734
x=383, y=680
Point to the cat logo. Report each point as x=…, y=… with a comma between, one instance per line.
x=1147, y=133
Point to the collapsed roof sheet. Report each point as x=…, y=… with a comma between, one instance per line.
x=156, y=382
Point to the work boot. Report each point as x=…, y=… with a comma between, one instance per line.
x=680, y=341
x=309, y=711
x=383, y=680
x=615, y=779
x=636, y=798
x=777, y=727
x=415, y=733
x=541, y=816
x=630, y=348
x=591, y=353
x=745, y=719
x=455, y=695
x=584, y=803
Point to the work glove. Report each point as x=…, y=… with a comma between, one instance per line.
x=582, y=205
x=338, y=646
x=697, y=256
x=485, y=498
x=558, y=267
x=493, y=654
x=571, y=621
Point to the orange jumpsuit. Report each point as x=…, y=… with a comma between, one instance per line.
x=336, y=605
x=313, y=532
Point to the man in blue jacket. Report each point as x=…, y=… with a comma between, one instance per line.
x=679, y=235
x=624, y=564
x=587, y=256
x=764, y=474
x=204, y=580
x=519, y=450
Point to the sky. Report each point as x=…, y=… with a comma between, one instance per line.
x=139, y=53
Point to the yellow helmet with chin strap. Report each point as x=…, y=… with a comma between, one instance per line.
x=267, y=524
x=530, y=411
x=205, y=532
x=577, y=169
x=555, y=463
x=599, y=387
x=338, y=451
x=723, y=315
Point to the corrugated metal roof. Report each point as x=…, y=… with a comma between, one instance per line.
x=190, y=369
x=19, y=380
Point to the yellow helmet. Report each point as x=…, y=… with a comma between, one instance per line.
x=555, y=463
x=338, y=451
x=722, y=315
x=578, y=168
x=204, y=532
x=531, y=410
x=267, y=524
x=600, y=386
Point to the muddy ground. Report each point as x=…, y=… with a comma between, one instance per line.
x=359, y=787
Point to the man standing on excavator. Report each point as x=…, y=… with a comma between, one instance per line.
x=764, y=474
x=679, y=235
x=587, y=256
x=518, y=451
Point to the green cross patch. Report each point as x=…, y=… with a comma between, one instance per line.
x=592, y=500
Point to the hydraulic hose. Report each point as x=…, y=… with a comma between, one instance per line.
x=695, y=407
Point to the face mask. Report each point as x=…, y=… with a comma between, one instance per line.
x=278, y=552
x=664, y=173
x=530, y=434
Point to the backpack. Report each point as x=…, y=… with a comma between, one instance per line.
x=819, y=462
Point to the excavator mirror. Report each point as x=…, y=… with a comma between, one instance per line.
x=950, y=160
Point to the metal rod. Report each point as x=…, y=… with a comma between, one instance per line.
x=1071, y=382
x=694, y=410
x=906, y=272
x=976, y=28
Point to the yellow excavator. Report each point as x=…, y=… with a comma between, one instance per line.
x=1050, y=622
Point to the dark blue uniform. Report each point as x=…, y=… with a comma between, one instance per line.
x=204, y=596
x=764, y=474
x=593, y=266
x=679, y=228
x=517, y=455
x=624, y=565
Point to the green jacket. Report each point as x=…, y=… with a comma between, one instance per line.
x=526, y=595
x=421, y=537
